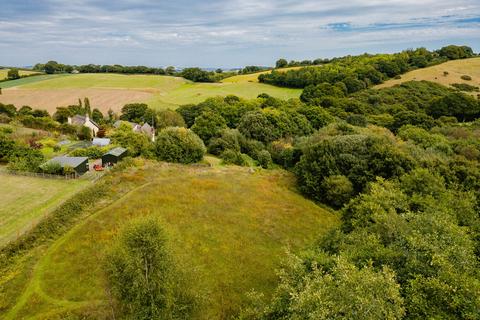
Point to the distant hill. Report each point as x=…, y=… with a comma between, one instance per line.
x=455, y=70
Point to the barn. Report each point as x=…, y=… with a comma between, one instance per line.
x=78, y=164
x=113, y=156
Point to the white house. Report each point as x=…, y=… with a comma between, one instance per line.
x=85, y=121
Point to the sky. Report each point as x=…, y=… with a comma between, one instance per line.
x=226, y=33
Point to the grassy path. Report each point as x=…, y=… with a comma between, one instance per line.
x=35, y=286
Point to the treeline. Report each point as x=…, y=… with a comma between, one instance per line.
x=359, y=72
x=52, y=67
x=193, y=74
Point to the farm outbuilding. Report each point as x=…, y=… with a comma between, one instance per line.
x=78, y=164
x=100, y=142
x=114, y=155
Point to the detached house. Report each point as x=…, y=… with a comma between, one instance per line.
x=85, y=121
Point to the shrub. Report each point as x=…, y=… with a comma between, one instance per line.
x=23, y=158
x=209, y=125
x=255, y=125
x=140, y=270
x=230, y=139
x=52, y=168
x=179, y=145
x=338, y=190
x=136, y=143
x=358, y=120
x=93, y=152
x=264, y=159
x=84, y=133
x=465, y=87
x=169, y=118
x=284, y=153
x=233, y=157
x=466, y=77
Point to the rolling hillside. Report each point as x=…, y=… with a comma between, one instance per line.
x=455, y=69
x=113, y=91
x=228, y=229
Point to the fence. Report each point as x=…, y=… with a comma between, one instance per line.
x=69, y=176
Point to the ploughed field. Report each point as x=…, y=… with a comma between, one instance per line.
x=113, y=91
x=228, y=230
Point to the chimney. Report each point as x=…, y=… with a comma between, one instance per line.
x=87, y=118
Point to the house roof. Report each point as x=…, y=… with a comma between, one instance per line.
x=80, y=120
x=68, y=161
x=118, y=151
x=101, y=141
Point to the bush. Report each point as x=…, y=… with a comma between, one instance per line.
x=233, y=157
x=264, y=159
x=52, y=168
x=230, y=139
x=93, y=152
x=140, y=271
x=209, y=125
x=179, y=145
x=338, y=190
x=465, y=87
x=23, y=158
x=284, y=153
x=169, y=118
x=466, y=77
x=84, y=133
x=358, y=120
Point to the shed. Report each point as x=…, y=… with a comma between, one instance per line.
x=114, y=155
x=79, y=164
x=101, y=142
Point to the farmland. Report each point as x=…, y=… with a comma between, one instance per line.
x=228, y=229
x=25, y=200
x=455, y=69
x=4, y=72
x=112, y=91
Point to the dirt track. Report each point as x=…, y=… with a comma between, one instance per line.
x=50, y=99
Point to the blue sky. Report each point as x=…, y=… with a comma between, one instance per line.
x=226, y=33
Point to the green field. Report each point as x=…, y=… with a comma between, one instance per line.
x=228, y=230
x=25, y=200
x=114, y=90
x=30, y=80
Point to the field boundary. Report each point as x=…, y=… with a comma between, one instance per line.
x=71, y=176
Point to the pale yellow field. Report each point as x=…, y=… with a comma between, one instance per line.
x=455, y=69
x=3, y=73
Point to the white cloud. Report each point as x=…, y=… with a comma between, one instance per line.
x=231, y=31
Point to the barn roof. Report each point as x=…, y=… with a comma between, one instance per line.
x=68, y=161
x=101, y=141
x=118, y=151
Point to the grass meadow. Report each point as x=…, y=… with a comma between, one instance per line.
x=455, y=69
x=25, y=200
x=228, y=230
